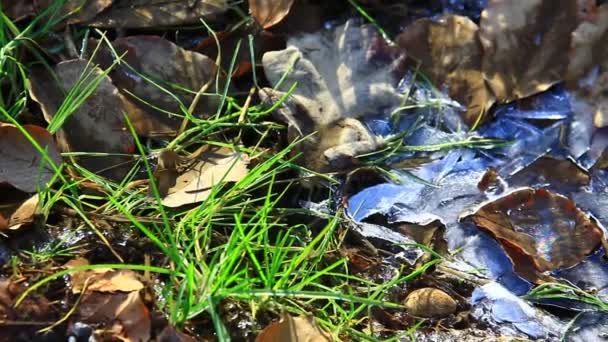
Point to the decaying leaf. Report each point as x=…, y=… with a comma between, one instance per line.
x=97, y=125
x=16, y=208
x=155, y=13
x=150, y=62
x=78, y=10
x=342, y=75
x=269, y=13
x=111, y=301
x=21, y=165
x=430, y=303
x=214, y=166
x=540, y=230
x=121, y=315
x=450, y=53
x=293, y=329
x=588, y=69
x=102, y=279
x=526, y=44
x=32, y=309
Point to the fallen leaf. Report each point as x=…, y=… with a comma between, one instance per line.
x=293, y=329
x=121, y=315
x=540, y=230
x=588, y=68
x=32, y=309
x=212, y=167
x=76, y=10
x=342, y=75
x=21, y=165
x=152, y=59
x=526, y=44
x=170, y=334
x=102, y=279
x=430, y=303
x=110, y=300
x=264, y=41
x=17, y=209
x=450, y=53
x=97, y=125
x=158, y=13
x=269, y=12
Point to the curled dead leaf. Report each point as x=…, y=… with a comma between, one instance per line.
x=430, y=303
x=17, y=209
x=97, y=125
x=293, y=329
x=540, y=230
x=269, y=12
x=450, y=53
x=21, y=165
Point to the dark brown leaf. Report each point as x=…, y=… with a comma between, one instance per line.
x=97, y=125
x=269, y=12
x=451, y=55
x=526, y=44
x=169, y=66
x=21, y=165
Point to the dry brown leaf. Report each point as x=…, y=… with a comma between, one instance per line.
x=293, y=329
x=540, y=230
x=121, y=315
x=526, y=44
x=214, y=166
x=102, y=279
x=164, y=63
x=97, y=125
x=451, y=55
x=269, y=12
x=342, y=76
x=158, y=13
x=21, y=165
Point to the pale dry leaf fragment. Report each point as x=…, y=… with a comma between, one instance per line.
x=343, y=76
x=269, y=12
x=151, y=62
x=102, y=279
x=97, y=125
x=450, y=53
x=212, y=167
x=526, y=44
x=158, y=13
x=293, y=329
x=22, y=165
